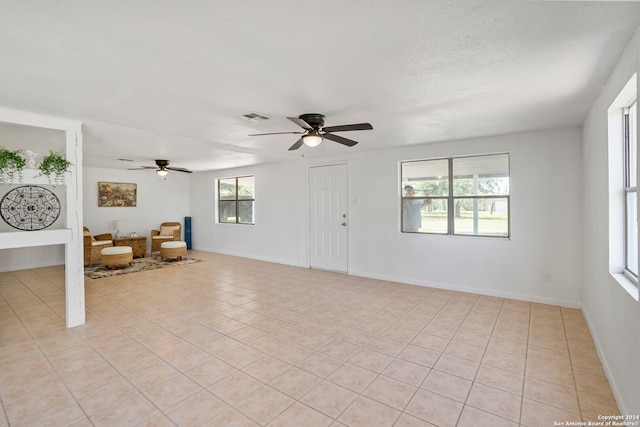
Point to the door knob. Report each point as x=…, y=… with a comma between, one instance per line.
x=344, y=224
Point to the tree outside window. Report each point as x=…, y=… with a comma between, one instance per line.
x=236, y=200
x=461, y=196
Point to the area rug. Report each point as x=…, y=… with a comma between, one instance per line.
x=139, y=264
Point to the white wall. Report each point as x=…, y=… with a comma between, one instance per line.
x=613, y=315
x=279, y=234
x=545, y=227
x=159, y=200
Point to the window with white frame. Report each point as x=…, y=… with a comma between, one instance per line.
x=456, y=196
x=629, y=124
x=623, y=199
x=236, y=200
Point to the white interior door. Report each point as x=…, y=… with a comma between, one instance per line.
x=328, y=221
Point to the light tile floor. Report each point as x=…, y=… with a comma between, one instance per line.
x=237, y=342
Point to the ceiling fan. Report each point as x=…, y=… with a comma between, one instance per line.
x=162, y=168
x=315, y=131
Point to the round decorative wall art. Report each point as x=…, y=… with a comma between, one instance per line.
x=30, y=208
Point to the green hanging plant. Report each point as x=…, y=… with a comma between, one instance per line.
x=11, y=165
x=54, y=166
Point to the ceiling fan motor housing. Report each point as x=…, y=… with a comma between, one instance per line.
x=314, y=120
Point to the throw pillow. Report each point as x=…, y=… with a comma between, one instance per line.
x=168, y=230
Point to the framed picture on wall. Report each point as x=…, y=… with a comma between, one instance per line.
x=117, y=194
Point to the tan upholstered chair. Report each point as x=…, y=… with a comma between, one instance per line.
x=169, y=231
x=94, y=244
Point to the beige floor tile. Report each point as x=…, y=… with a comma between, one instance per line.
x=549, y=355
x=557, y=395
x=241, y=356
x=434, y=408
x=97, y=399
x=371, y=360
x=62, y=413
x=302, y=415
x=210, y=372
x=536, y=414
x=558, y=374
x=264, y=404
x=465, y=351
x=295, y=382
x=387, y=346
x=31, y=396
x=432, y=342
x=266, y=368
x=196, y=409
x=400, y=334
x=235, y=387
x=329, y=398
x=391, y=392
x=320, y=364
x=190, y=359
x=593, y=384
x=593, y=405
x=472, y=417
x=129, y=412
x=471, y=337
x=500, y=378
x=587, y=365
x=494, y=401
x=508, y=362
x=353, y=377
x=365, y=412
x=152, y=375
x=457, y=366
x=439, y=330
x=406, y=420
x=510, y=333
x=160, y=420
x=419, y=355
x=410, y=373
x=214, y=337
x=172, y=391
x=232, y=418
x=447, y=385
x=341, y=350
x=502, y=345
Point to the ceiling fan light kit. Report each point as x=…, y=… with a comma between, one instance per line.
x=315, y=132
x=162, y=172
x=312, y=139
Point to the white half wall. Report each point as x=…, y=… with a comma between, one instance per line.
x=545, y=220
x=613, y=315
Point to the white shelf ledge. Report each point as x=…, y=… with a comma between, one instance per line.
x=23, y=239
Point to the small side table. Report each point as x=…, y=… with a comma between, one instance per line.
x=138, y=244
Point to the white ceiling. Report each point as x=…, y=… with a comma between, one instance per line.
x=170, y=79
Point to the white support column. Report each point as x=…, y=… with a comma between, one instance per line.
x=71, y=236
x=74, y=255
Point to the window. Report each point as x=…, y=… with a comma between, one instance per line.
x=235, y=200
x=456, y=196
x=629, y=124
x=623, y=212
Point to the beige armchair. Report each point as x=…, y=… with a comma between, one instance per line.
x=94, y=244
x=169, y=231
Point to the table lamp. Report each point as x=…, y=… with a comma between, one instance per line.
x=118, y=225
